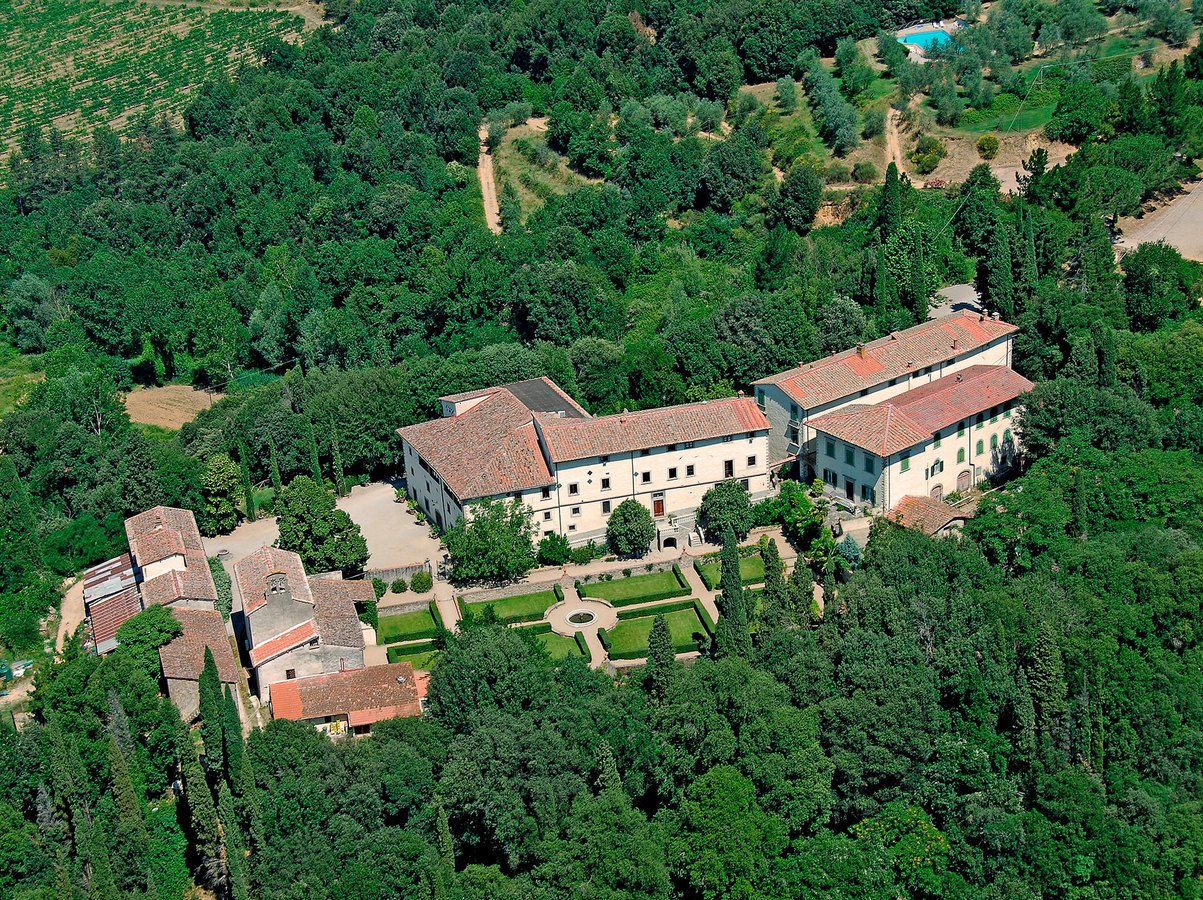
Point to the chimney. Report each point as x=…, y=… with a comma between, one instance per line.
x=981, y=317
x=954, y=343
x=960, y=377
x=860, y=350
x=996, y=317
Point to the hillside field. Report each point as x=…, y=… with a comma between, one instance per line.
x=82, y=64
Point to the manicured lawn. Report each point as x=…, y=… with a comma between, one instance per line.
x=558, y=646
x=421, y=659
x=751, y=570
x=636, y=589
x=523, y=608
x=406, y=627
x=628, y=640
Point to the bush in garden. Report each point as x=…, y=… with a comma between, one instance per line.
x=554, y=550
x=421, y=582
x=399, y=586
x=987, y=146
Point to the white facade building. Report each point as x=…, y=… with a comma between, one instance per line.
x=945, y=436
x=871, y=373
x=531, y=441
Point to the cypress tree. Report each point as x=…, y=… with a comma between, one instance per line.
x=1025, y=713
x=1029, y=273
x=885, y=293
x=774, y=597
x=446, y=844
x=315, y=461
x=609, y=781
x=118, y=724
x=248, y=801
x=234, y=844
x=98, y=867
x=661, y=660
x=1046, y=678
x=211, y=714
x=999, y=285
x=202, y=816
x=231, y=735
x=336, y=464
x=277, y=483
x=918, y=290
x=731, y=635
x=248, y=487
x=131, y=838
x=1104, y=342
x=891, y=202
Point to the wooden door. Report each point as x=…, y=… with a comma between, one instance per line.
x=657, y=506
x=963, y=481
x=937, y=493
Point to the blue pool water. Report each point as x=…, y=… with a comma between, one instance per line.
x=926, y=39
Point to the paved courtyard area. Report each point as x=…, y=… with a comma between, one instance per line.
x=394, y=537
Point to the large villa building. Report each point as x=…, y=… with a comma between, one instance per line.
x=871, y=373
x=531, y=441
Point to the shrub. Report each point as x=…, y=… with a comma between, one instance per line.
x=626, y=573
x=554, y=550
x=864, y=172
x=874, y=124
x=221, y=580
x=379, y=587
x=421, y=582
x=399, y=586
x=849, y=551
x=836, y=173
x=834, y=116
x=370, y=615
x=927, y=153
x=987, y=146
x=585, y=554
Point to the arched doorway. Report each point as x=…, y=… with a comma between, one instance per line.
x=937, y=493
x=670, y=542
x=963, y=481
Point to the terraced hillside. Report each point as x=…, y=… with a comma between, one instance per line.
x=85, y=63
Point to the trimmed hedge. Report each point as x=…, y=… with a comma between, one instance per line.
x=558, y=591
x=398, y=651
x=537, y=628
x=613, y=591
x=579, y=637
x=604, y=637
x=527, y=614
x=438, y=618
x=660, y=610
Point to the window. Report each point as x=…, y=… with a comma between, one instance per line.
x=574, y=489
x=747, y=485
x=960, y=429
x=936, y=443
x=1007, y=413
x=994, y=442
x=688, y=445
x=793, y=411
x=672, y=474
x=980, y=448
x=869, y=464
x=937, y=467
x=647, y=477
x=646, y=451
x=548, y=533
x=605, y=506
x=547, y=515
x=576, y=510
x=572, y=528
x=605, y=458
x=864, y=492
x=547, y=493
x=849, y=456
x=726, y=438
x=865, y=391
x=670, y=448
x=792, y=434
x=893, y=381
x=605, y=484
x=290, y=674
x=906, y=460
x=831, y=449
x=961, y=455
x=689, y=471
x=729, y=468
x=517, y=495
x=751, y=461
x=980, y=418
x=1007, y=436
x=760, y=398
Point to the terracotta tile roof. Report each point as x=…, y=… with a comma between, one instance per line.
x=334, y=610
x=109, y=577
x=911, y=418
x=536, y=394
x=156, y=545
x=365, y=696
x=184, y=657
x=881, y=429
x=569, y=439
x=898, y=354
x=251, y=574
x=925, y=514
x=161, y=518
x=281, y=643
x=109, y=614
x=193, y=582
x=490, y=449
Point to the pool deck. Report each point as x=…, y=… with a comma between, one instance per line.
x=916, y=50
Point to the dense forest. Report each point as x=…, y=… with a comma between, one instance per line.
x=1014, y=715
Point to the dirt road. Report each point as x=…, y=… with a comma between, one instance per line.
x=488, y=185
x=893, y=147
x=1179, y=223
x=72, y=614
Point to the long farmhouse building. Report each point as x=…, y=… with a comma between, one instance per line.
x=531, y=441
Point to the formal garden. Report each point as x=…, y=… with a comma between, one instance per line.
x=688, y=624
x=751, y=568
x=632, y=589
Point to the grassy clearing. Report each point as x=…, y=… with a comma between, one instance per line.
x=523, y=608
x=637, y=588
x=406, y=627
x=17, y=378
x=629, y=638
x=560, y=647
x=87, y=63
x=751, y=571
x=419, y=659
x=537, y=173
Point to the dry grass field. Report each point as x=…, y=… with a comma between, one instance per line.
x=84, y=63
x=172, y=406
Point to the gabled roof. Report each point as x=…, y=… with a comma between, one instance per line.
x=898, y=354
x=162, y=518
x=365, y=696
x=184, y=657
x=165, y=531
x=109, y=614
x=193, y=582
x=536, y=394
x=251, y=574
x=334, y=610
x=925, y=514
x=626, y=432
x=489, y=449
x=294, y=637
x=911, y=418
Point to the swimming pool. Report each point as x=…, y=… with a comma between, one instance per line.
x=925, y=40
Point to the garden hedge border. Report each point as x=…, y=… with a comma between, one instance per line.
x=406, y=649
x=438, y=618
x=683, y=590
x=425, y=633
x=651, y=612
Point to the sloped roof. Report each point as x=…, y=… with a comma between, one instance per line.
x=164, y=531
x=184, y=657
x=536, y=394
x=334, y=609
x=925, y=514
x=893, y=356
x=569, y=439
x=107, y=578
x=490, y=449
x=251, y=574
x=193, y=582
x=162, y=518
x=913, y=417
x=282, y=643
x=109, y=614
x=365, y=696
